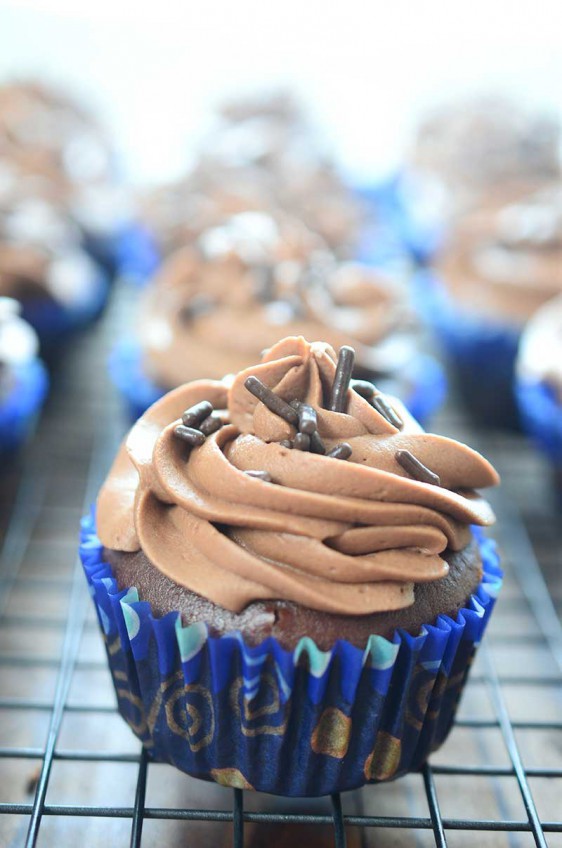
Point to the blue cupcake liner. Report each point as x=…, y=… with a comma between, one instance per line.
x=297, y=723
x=126, y=372
x=398, y=225
x=481, y=350
x=423, y=375
x=54, y=321
x=22, y=403
x=136, y=253
x=541, y=416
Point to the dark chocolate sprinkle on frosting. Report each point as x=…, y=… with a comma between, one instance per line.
x=316, y=443
x=308, y=422
x=210, y=425
x=301, y=442
x=338, y=399
x=273, y=402
x=188, y=434
x=341, y=451
x=415, y=468
x=193, y=416
x=363, y=388
x=383, y=407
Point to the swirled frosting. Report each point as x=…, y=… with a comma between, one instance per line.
x=507, y=259
x=344, y=536
x=215, y=306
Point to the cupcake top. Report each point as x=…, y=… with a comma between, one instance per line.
x=41, y=254
x=262, y=154
x=485, y=145
x=214, y=307
x=508, y=261
x=47, y=136
x=290, y=483
x=540, y=349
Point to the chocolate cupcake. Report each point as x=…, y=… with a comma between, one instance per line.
x=44, y=266
x=215, y=306
x=262, y=154
x=485, y=152
x=287, y=577
x=496, y=271
x=53, y=150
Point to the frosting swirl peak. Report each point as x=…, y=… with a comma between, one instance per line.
x=247, y=516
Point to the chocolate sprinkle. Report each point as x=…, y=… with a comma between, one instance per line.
x=308, y=423
x=273, y=402
x=301, y=442
x=210, y=425
x=260, y=475
x=341, y=451
x=286, y=443
x=415, y=468
x=363, y=388
x=193, y=416
x=189, y=435
x=316, y=443
x=338, y=400
x=385, y=409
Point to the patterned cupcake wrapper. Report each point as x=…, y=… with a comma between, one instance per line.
x=482, y=350
x=424, y=376
x=300, y=723
x=22, y=403
x=541, y=416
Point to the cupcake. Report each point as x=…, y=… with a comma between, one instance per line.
x=290, y=577
x=217, y=304
x=264, y=154
x=45, y=268
x=23, y=377
x=539, y=382
x=486, y=151
x=496, y=271
x=51, y=148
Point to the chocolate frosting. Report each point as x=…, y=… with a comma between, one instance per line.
x=215, y=306
x=349, y=537
x=507, y=259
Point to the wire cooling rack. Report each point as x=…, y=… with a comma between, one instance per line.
x=71, y=772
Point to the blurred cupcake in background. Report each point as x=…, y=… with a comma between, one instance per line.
x=496, y=271
x=486, y=151
x=44, y=266
x=539, y=382
x=500, y=176
x=264, y=153
x=52, y=148
x=217, y=304
x=23, y=377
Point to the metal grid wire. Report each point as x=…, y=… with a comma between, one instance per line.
x=70, y=770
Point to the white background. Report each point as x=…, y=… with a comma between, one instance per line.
x=369, y=68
